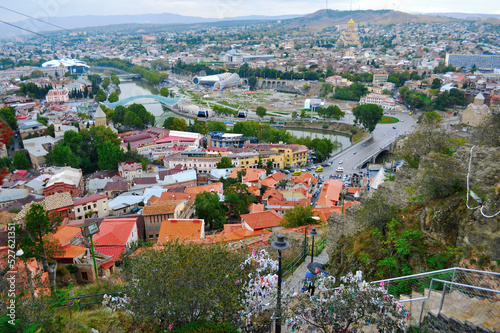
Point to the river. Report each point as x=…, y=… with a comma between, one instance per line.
x=134, y=88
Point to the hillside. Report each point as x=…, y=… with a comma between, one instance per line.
x=328, y=18
x=420, y=221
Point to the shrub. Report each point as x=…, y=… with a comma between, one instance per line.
x=203, y=326
x=325, y=126
x=72, y=269
x=62, y=271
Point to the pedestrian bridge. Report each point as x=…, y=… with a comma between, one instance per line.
x=167, y=101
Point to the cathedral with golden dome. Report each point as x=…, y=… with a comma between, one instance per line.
x=349, y=37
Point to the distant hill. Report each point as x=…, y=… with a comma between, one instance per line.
x=74, y=22
x=465, y=16
x=327, y=18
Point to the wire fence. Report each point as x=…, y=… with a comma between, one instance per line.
x=88, y=301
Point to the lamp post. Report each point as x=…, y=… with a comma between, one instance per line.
x=313, y=233
x=279, y=244
x=88, y=231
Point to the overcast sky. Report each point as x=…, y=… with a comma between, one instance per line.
x=230, y=8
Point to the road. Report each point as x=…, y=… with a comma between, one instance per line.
x=383, y=135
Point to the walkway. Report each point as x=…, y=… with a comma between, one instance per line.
x=294, y=282
x=168, y=101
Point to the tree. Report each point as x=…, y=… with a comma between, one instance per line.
x=113, y=97
x=368, y=115
x=109, y=156
x=198, y=281
x=298, y=216
x=37, y=225
x=8, y=115
x=216, y=126
x=164, y=92
x=62, y=155
x=100, y=96
x=294, y=114
x=350, y=307
x=209, y=208
x=21, y=161
x=105, y=83
x=252, y=81
x=436, y=84
x=261, y=111
x=224, y=163
x=179, y=124
x=5, y=135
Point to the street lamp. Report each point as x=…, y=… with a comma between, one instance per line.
x=313, y=233
x=279, y=244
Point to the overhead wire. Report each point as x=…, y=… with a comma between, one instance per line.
x=471, y=193
x=34, y=18
x=33, y=32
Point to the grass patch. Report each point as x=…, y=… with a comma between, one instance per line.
x=358, y=136
x=388, y=120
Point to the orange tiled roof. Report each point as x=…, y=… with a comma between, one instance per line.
x=262, y=220
x=324, y=213
x=272, y=193
x=161, y=207
x=289, y=203
x=256, y=207
x=353, y=190
x=183, y=229
x=72, y=251
x=64, y=233
x=175, y=196
x=330, y=193
x=115, y=231
x=215, y=187
x=252, y=175
x=305, y=178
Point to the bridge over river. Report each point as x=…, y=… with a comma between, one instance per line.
x=167, y=101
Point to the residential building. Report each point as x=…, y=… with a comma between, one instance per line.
x=115, y=235
x=58, y=204
x=294, y=155
x=130, y=170
x=115, y=187
x=224, y=140
x=124, y=203
x=487, y=61
x=30, y=127
x=57, y=96
x=9, y=195
x=66, y=179
x=330, y=193
x=88, y=206
x=267, y=220
x=380, y=78
x=384, y=101
x=159, y=211
x=182, y=229
x=38, y=148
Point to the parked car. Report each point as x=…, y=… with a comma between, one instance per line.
x=340, y=162
x=340, y=169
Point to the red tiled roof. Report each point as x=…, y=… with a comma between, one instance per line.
x=115, y=231
x=215, y=187
x=91, y=198
x=107, y=265
x=262, y=220
x=113, y=251
x=170, y=138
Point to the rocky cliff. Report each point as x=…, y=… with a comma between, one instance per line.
x=443, y=221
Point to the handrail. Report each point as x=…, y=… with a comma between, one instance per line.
x=88, y=296
x=436, y=272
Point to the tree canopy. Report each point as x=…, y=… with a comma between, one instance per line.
x=368, y=115
x=224, y=163
x=209, y=208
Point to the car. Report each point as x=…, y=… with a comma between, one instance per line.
x=325, y=165
x=316, y=194
x=354, y=153
x=286, y=172
x=135, y=209
x=340, y=169
x=393, y=127
x=319, y=169
x=297, y=173
x=330, y=163
x=340, y=162
x=364, y=144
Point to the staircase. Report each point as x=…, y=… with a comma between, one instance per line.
x=471, y=305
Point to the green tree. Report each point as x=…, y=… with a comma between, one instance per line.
x=100, y=96
x=261, y=111
x=21, y=161
x=179, y=124
x=113, y=97
x=294, y=114
x=37, y=225
x=105, y=83
x=298, y=216
x=36, y=73
x=164, y=92
x=368, y=115
x=209, y=208
x=205, y=285
x=109, y=155
x=62, y=155
x=224, y=163
x=8, y=115
x=198, y=127
x=252, y=81
x=436, y=84
x=216, y=126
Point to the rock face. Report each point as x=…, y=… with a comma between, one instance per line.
x=446, y=220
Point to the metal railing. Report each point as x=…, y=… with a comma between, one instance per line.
x=76, y=301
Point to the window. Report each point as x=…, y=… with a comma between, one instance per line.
x=150, y=236
x=95, y=205
x=78, y=210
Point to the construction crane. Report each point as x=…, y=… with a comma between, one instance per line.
x=223, y=69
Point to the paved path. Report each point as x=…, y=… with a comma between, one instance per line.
x=295, y=281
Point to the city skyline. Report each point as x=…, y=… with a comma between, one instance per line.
x=230, y=8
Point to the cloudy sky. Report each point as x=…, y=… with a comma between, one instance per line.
x=230, y=8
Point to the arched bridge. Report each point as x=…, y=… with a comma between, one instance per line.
x=168, y=101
